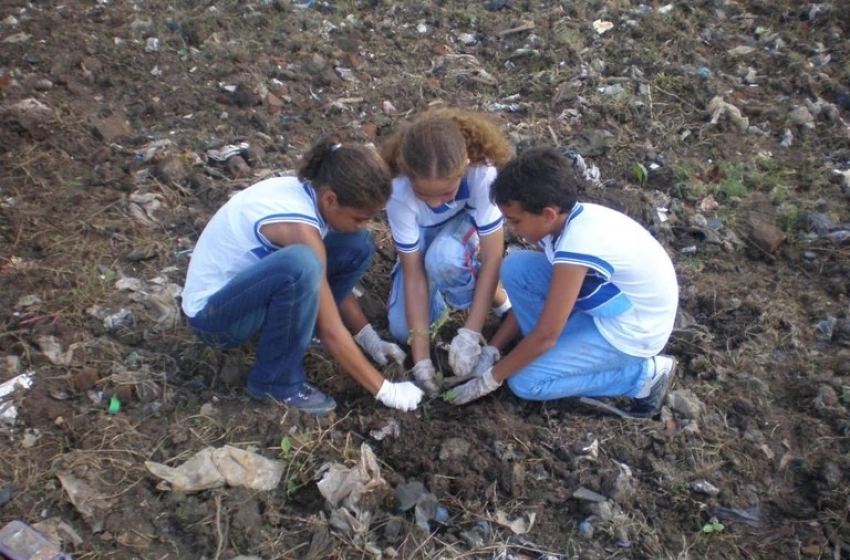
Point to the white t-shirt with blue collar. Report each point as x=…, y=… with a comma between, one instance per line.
x=630, y=288
x=232, y=241
x=407, y=214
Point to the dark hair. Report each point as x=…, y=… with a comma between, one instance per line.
x=537, y=178
x=356, y=174
x=438, y=144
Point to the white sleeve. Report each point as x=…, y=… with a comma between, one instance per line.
x=403, y=225
x=486, y=214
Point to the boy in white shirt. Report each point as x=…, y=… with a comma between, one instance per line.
x=595, y=306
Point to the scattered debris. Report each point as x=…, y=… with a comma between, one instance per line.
x=345, y=490
x=718, y=108
x=215, y=468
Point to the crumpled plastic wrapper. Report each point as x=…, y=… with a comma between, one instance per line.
x=214, y=468
x=344, y=487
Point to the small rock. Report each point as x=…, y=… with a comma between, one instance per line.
x=113, y=127
x=619, y=487
x=31, y=114
x=767, y=236
x=827, y=396
x=582, y=493
x=832, y=474
x=86, y=380
x=245, y=97
x=704, y=487
x=686, y=404
x=238, y=167
x=254, y=155
x=171, y=170
x=453, y=449
x=801, y=116
x=604, y=510
x=42, y=85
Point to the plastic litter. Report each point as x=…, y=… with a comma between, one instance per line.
x=213, y=468
x=19, y=541
x=8, y=411
x=224, y=153
x=345, y=487
x=602, y=26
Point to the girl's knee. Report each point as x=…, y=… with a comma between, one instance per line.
x=307, y=265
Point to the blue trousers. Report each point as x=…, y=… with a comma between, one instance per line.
x=279, y=298
x=451, y=267
x=582, y=363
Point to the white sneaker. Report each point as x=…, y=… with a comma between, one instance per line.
x=662, y=379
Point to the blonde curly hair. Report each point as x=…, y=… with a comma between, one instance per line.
x=440, y=144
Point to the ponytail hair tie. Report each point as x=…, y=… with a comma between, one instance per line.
x=335, y=147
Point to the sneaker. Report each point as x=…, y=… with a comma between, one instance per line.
x=649, y=406
x=308, y=399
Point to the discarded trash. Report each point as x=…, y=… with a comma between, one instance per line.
x=582, y=493
x=344, y=488
x=89, y=502
x=518, y=526
x=704, y=487
x=114, y=405
x=8, y=411
x=6, y=495
x=751, y=516
x=585, y=528
x=224, y=153
x=213, y=468
x=122, y=317
x=151, y=45
x=391, y=429
x=717, y=108
x=19, y=541
x=602, y=26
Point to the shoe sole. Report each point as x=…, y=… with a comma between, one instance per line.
x=664, y=390
x=318, y=411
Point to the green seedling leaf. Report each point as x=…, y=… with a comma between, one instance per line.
x=640, y=172
x=449, y=396
x=285, y=446
x=440, y=377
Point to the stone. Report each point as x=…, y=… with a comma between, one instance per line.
x=453, y=449
x=238, y=167
x=172, y=170
x=112, y=127
x=766, y=236
x=684, y=403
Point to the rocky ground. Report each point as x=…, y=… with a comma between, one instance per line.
x=720, y=125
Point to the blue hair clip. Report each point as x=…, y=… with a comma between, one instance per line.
x=335, y=147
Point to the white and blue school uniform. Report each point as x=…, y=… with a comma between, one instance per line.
x=447, y=236
x=240, y=283
x=623, y=315
x=232, y=242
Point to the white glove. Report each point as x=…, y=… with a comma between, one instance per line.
x=464, y=352
x=473, y=389
x=379, y=349
x=404, y=396
x=489, y=356
x=426, y=376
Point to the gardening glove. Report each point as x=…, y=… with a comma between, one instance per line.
x=473, y=389
x=379, y=349
x=464, y=352
x=404, y=396
x=426, y=376
x=488, y=358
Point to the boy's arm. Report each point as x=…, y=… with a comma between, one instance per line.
x=563, y=291
x=506, y=333
x=492, y=248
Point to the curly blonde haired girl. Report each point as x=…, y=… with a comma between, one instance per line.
x=447, y=232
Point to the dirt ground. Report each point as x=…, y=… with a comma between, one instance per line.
x=720, y=125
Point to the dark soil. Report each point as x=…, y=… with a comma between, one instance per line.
x=105, y=184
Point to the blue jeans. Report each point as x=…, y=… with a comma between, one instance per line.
x=279, y=298
x=582, y=363
x=451, y=267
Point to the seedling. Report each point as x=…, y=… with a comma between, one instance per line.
x=713, y=527
x=640, y=172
